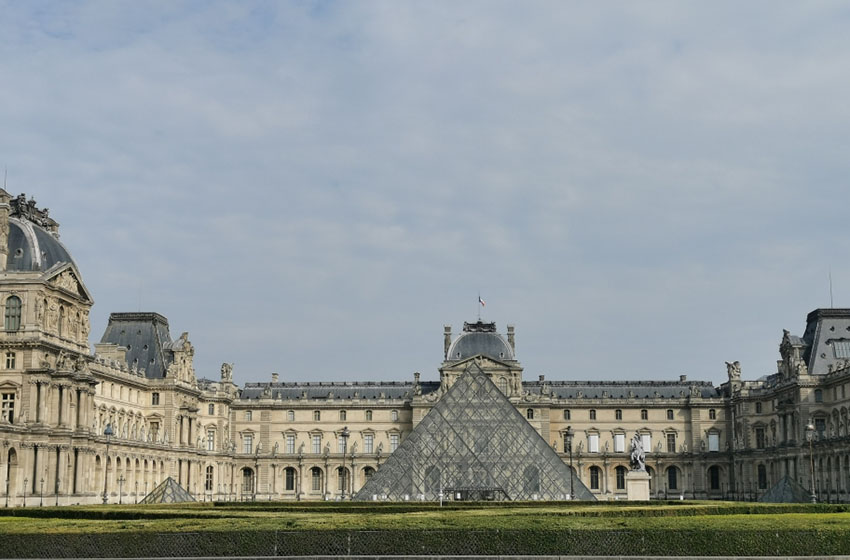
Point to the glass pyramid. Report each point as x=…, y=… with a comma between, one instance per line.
x=473, y=445
x=168, y=492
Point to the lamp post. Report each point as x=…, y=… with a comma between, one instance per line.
x=108, y=433
x=121, y=481
x=345, y=435
x=810, y=435
x=26, y=480
x=137, y=492
x=57, y=491
x=569, y=441
x=7, y=487
x=41, y=493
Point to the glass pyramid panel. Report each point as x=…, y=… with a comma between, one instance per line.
x=168, y=492
x=473, y=445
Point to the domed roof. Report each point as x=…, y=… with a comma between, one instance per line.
x=32, y=248
x=480, y=339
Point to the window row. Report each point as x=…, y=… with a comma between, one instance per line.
x=618, y=414
x=620, y=445
x=317, y=415
x=342, y=443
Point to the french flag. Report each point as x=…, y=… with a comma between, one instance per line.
x=481, y=301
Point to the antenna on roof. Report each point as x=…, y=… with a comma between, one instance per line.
x=5, y=175
x=831, y=303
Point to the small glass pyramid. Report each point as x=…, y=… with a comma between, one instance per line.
x=168, y=492
x=473, y=445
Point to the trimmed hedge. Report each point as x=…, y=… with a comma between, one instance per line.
x=433, y=542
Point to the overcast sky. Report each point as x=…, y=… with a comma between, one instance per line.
x=645, y=189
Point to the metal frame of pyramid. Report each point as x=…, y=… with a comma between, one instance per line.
x=473, y=445
x=168, y=492
x=787, y=490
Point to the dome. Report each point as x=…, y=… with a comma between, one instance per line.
x=480, y=339
x=32, y=248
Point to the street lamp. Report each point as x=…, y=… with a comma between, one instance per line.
x=108, y=433
x=26, y=480
x=58, y=481
x=345, y=435
x=41, y=493
x=137, y=492
x=121, y=481
x=810, y=435
x=568, y=439
x=7, y=487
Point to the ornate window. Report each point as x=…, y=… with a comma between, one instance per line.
x=341, y=444
x=13, y=313
x=7, y=407
x=154, y=399
x=368, y=443
x=619, y=443
x=290, y=443
x=644, y=414
x=208, y=482
x=503, y=385
x=317, y=444
x=210, y=440
x=618, y=414
x=529, y=414
x=290, y=416
x=61, y=328
x=247, y=481
x=593, y=443
x=713, y=441
x=249, y=415
x=592, y=414
x=211, y=410
x=10, y=360
x=760, y=442
x=393, y=442
x=646, y=441
x=671, y=443
x=290, y=479
x=247, y=443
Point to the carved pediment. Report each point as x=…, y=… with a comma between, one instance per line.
x=68, y=279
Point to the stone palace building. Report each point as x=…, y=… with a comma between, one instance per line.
x=78, y=426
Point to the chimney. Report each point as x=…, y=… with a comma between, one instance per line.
x=447, y=340
x=683, y=378
x=275, y=377
x=511, y=341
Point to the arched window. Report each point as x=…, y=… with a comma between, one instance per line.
x=714, y=477
x=13, y=313
x=316, y=479
x=343, y=415
x=290, y=416
x=621, y=478
x=672, y=478
x=368, y=415
x=644, y=414
x=503, y=385
x=394, y=415
x=594, y=478
x=592, y=414
x=762, y=476
x=529, y=414
x=712, y=414
x=61, y=326
x=208, y=482
x=618, y=414
x=342, y=477
x=669, y=414
x=247, y=481
x=368, y=472
x=566, y=414
x=317, y=415
x=289, y=481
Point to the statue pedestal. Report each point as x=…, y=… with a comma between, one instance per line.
x=637, y=486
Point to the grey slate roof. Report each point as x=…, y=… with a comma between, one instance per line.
x=146, y=337
x=622, y=389
x=340, y=390
x=31, y=248
x=824, y=328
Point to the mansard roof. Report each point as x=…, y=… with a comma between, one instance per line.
x=146, y=338
x=826, y=330
x=623, y=389
x=371, y=390
x=32, y=248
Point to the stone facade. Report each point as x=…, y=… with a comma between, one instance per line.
x=313, y=441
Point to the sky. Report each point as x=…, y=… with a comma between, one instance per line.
x=314, y=188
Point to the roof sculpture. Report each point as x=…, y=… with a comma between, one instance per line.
x=473, y=444
x=168, y=492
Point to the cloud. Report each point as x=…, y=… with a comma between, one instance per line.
x=315, y=188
